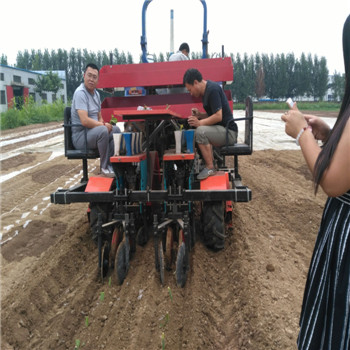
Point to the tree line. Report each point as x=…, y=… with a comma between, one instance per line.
x=281, y=76
x=261, y=75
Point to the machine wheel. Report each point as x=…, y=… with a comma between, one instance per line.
x=116, y=239
x=181, y=236
x=104, y=260
x=169, y=248
x=95, y=209
x=121, y=263
x=161, y=262
x=181, y=265
x=141, y=236
x=213, y=225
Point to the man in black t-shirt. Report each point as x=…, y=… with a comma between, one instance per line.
x=211, y=125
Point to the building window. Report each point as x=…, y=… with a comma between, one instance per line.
x=2, y=97
x=17, y=79
x=32, y=95
x=2, y=76
x=44, y=97
x=54, y=98
x=31, y=81
x=63, y=99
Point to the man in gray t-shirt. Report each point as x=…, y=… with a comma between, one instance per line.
x=86, y=111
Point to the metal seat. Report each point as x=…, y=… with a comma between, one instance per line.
x=245, y=148
x=70, y=151
x=239, y=149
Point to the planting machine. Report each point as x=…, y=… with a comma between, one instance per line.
x=155, y=193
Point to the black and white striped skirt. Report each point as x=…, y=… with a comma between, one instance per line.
x=325, y=314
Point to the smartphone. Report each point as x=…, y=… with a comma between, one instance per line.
x=290, y=103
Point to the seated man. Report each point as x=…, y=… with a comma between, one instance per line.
x=210, y=126
x=86, y=111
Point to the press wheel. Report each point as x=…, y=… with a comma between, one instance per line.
x=116, y=239
x=121, y=262
x=169, y=248
x=181, y=265
x=104, y=260
x=161, y=262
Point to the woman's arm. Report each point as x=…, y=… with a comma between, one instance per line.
x=336, y=179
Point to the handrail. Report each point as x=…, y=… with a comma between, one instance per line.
x=144, y=38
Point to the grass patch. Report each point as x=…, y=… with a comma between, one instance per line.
x=32, y=113
x=311, y=106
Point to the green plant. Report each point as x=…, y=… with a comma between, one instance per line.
x=31, y=113
x=163, y=341
x=170, y=294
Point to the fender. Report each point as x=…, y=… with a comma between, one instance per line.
x=99, y=184
x=219, y=181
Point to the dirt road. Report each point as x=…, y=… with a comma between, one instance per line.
x=246, y=297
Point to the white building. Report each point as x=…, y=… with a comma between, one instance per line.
x=18, y=83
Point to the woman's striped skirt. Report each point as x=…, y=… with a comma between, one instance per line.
x=325, y=314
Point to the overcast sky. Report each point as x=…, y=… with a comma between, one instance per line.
x=251, y=26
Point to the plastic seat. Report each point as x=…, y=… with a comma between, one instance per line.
x=72, y=153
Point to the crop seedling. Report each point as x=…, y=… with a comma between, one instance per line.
x=166, y=320
x=170, y=294
x=102, y=296
x=87, y=321
x=163, y=341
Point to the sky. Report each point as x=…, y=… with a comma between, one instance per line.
x=241, y=26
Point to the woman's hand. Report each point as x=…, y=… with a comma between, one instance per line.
x=320, y=128
x=295, y=121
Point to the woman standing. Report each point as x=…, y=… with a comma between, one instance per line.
x=325, y=314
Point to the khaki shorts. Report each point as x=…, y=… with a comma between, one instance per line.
x=214, y=135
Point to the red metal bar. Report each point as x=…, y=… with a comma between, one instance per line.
x=136, y=158
x=162, y=74
x=178, y=156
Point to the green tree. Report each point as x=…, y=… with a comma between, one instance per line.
x=290, y=73
x=46, y=61
x=260, y=82
x=23, y=60
x=338, y=86
x=48, y=82
x=130, y=60
x=3, y=59
x=319, y=78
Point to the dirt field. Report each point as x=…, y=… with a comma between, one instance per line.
x=246, y=297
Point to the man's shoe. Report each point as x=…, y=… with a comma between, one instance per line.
x=107, y=172
x=206, y=173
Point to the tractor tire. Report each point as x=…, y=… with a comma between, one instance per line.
x=213, y=225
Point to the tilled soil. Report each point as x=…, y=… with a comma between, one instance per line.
x=246, y=297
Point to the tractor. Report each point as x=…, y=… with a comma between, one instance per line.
x=154, y=194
